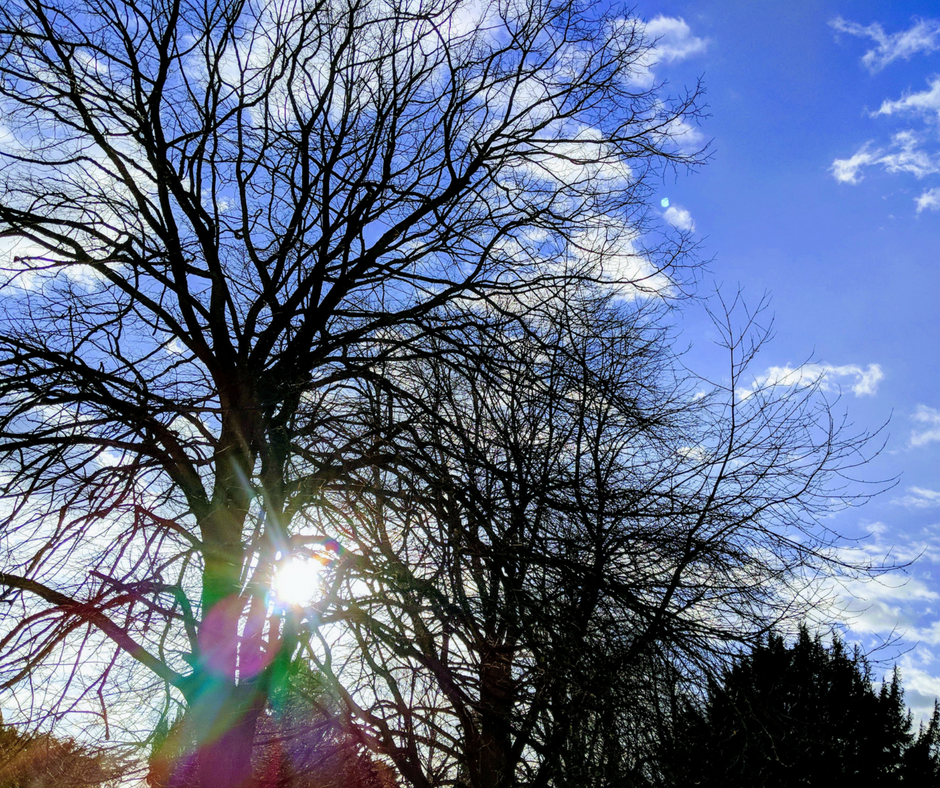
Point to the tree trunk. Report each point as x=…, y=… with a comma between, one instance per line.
x=494, y=768
x=225, y=759
x=220, y=724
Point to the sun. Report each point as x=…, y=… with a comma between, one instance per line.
x=297, y=581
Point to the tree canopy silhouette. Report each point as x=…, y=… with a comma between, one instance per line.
x=374, y=285
x=803, y=714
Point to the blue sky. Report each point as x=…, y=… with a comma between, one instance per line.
x=823, y=191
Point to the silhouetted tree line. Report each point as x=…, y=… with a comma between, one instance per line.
x=800, y=714
x=785, y=714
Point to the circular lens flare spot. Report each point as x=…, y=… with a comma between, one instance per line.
x=664, y=202
x=297, y=581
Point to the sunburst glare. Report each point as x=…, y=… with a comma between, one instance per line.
x=297, y=581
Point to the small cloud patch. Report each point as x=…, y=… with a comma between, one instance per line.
x=927, y=102
x=929, y=200
x=679, y=218
x=671, y=40
x=928, y=429
x=861, y=381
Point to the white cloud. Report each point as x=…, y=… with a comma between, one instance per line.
x=881, y=549
x=899, y=606
x=921, y=688
x=929, y=634
x=922, y=36
x=872, y=617
x=679, y=218
x=468, y=18
x=695, y=453
x=929, y=200
x=904, y=155
x=608, y=250
x=880, y=604
x=908, y=158
x=919, y=498
x=846, y=170
x=584, y=158
x=927, y=101
x=909, y=152
x=886, y=606
x=867, y=380
x=108, y=458
x=673, y=39
x=174, y=347
x=862, y=381
x=929, y=431
x=685, y=136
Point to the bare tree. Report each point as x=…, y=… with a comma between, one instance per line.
x=365, y=280
x=577, y=534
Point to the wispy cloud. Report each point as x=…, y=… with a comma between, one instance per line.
x=928, y=201
x=684, y=135
x=906, y=156
x=861, y=381
x=882, y=604
x=926, y=102
x=922, y=36
x=928, y=430
x=885, y=546
x=608, y=250
x=899, y=604
x=919, y=498
x=914, y=151
x=903, y=155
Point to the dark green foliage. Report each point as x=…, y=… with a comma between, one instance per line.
x=802, y=715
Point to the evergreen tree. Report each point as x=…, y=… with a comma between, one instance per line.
x=802, y=714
